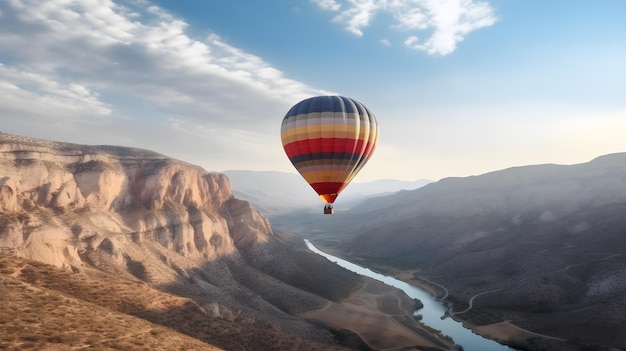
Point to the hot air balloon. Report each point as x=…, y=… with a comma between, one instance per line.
x=329, y=139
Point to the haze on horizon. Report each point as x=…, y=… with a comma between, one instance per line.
x=458, y=89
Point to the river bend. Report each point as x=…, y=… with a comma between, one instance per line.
x=432, y=311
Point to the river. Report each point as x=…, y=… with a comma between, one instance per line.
x=432, y=311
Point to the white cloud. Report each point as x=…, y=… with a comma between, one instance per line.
x=327, y=4
x=448, y=20
x=411, y=41
x=358, y=15
x=36, y=94
x=104, y=42
x=70, y=61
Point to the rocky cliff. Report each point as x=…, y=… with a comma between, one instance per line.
x=144, y=216
x=59, y=200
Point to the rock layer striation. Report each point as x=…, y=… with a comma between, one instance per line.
x=59, y=199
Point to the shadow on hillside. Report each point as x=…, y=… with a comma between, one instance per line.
x=251, y=301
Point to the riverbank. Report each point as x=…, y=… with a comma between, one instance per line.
x=501, y=332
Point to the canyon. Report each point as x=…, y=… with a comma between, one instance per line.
x=541, y=246
x=135, y=232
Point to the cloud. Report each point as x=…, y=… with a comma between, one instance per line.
x=331, y=5
x=35, y=94
x=447, y=22
x=129, y=66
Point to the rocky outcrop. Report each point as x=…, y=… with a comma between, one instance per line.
x=59, y=199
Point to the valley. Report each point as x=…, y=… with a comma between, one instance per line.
x=532, y=256
x=538, y=252
x=539, y=247
x=91, y=235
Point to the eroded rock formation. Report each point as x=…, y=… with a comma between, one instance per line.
x=59, y=199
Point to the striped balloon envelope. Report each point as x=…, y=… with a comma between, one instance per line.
x=329, y=139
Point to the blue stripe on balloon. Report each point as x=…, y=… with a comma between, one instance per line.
x=324, y=156
x=326, y=104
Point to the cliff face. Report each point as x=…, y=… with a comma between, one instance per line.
x=59, y=200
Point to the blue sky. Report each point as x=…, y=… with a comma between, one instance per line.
x=459, y=87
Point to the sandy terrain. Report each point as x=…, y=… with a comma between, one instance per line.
x=503, y=331
x=381, y=315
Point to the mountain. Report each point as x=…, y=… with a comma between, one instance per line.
x=358, y=192
x=111, y=247
x=281, y=194
x=273, y=193
x=139, y=233
x=541, y=246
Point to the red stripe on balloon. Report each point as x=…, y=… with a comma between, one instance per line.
x=312, y=146
x=331, y=189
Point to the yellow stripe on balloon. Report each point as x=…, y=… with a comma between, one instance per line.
x=322, y=131
x=323, y=176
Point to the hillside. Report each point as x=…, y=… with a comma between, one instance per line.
x=544, y=245
x=45, y=307
x=148, y=235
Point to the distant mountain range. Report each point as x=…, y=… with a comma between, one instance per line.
x=546, y=244
x=280, y=193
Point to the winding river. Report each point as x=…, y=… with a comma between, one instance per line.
x=432, y=311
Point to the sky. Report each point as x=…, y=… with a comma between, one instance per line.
x=459, y=87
